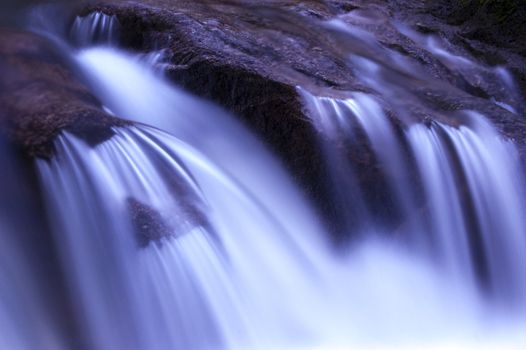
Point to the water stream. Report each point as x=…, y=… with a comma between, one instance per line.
x=184, y=232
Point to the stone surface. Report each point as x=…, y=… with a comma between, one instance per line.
x=249, y=56
x=40, y=97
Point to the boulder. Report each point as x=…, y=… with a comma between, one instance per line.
x=250, y=57
x=234, y=56
x=40, y=97
x=501, y=23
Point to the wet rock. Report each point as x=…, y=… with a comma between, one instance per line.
x=40, y=97
x=151, y=226
x=498, y=22
x=493, y=32
x=184, y=212
x=249, y=56
x=148, y=224
x=251, y=65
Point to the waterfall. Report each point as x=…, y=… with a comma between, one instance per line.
x=453, y=192
x=182, y=231
x=158, y=240
x=190, y=222
x=468, y=185
x=28, y=304
x=148, y=272
x=95, y=29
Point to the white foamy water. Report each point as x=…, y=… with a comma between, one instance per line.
x=240, y=280
x=184, y=232
x=472, y=212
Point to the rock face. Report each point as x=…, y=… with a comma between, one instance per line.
x=250, y=56
x=226, y=53
x=498, y=22
x=39, y=97
x=491, y=32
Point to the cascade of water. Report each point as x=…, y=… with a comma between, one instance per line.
x=446, y=181
x=188, y=118
x=95, y=28
x=26, y=310
x=348, y=120
x=472, y=211
x=107, y=202
x=192, y=276
x=197, y=239
x=226, y=274
x=474, y=186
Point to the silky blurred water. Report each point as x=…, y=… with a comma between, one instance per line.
x=184, y=232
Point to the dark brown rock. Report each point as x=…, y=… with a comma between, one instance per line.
x=249, y=59
x=249, y=56
x=147, y=222
x=500, y=23
x=458, y=23
x=40, y=97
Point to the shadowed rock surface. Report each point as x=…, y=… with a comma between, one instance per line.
x=249, y=56
x=497, y=22
x=39, y=97
x=491, y=32
x=147, y=223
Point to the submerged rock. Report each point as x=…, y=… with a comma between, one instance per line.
x=147, y=223
x=151, y=225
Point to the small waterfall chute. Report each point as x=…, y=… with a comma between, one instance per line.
x=471, y=210
x=96, y=28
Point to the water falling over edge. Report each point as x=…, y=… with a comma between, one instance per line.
x=355, y=301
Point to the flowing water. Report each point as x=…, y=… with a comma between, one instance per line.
x=183, y=232
x=471, y=219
